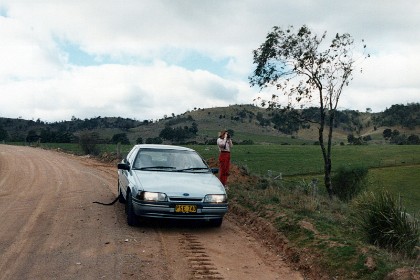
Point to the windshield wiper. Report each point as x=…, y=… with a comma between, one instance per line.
x=192, y=169
x=156, y=167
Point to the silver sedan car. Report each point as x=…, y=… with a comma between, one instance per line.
x=164, y=181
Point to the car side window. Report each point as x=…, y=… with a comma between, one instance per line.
x=131, y=156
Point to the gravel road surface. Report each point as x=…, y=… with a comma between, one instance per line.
x=50, y=229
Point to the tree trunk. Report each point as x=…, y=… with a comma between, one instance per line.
x=326, y=153
x=328, y=165
x=327, y=177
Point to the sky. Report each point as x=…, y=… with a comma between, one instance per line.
x=146, y=59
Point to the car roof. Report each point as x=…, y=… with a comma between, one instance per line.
x=163, y=147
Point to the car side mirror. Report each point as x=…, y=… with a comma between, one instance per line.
x=124, y=166
x=215, y=170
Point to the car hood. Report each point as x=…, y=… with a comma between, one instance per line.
x=196, y=184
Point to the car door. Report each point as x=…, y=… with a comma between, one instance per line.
x=124, y=175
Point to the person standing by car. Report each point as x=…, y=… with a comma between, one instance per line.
x=224, y=142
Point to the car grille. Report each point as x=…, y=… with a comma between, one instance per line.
x=185, y=199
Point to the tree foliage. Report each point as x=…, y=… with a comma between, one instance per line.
x=120, y=138
x=286, y=121
x=179, y=134
x=4, y=135
x=395, y=137
x=302, y=66
x=88, y=142
x=404, y=115
x=349, y=181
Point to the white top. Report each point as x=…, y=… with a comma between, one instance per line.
x=224, y=144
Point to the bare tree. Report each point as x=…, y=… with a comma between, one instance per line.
x=304, y=67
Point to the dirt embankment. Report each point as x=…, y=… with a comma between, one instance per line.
x=50, y=229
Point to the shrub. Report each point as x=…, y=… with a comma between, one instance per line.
x=88, y=142
x=263, y=184
x=349, y=181
x=120, y=138
x=386, y=224
x=247, y=142
x=156, y=140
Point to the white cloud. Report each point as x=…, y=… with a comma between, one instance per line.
x=143, y=52
x=25, y=54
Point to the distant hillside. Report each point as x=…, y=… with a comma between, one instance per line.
x=248, y=124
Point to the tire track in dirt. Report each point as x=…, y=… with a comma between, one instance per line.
x=188, y=256
x=198, y=259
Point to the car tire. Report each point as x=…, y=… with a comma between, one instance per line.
x=131, y=216
x=121, y=198
x=216, y=222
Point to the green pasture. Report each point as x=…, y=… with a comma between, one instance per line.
x=261, y=138
x=402, y=181
x=292, y=160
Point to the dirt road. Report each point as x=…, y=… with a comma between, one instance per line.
x=50, y=229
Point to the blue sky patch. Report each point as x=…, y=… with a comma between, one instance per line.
x=75, y=55
x=3, y=12
x=193, y=60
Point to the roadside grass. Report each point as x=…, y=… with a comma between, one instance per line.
x=75, y=148
x=67, y=147
x=319, y=229
x=403, y=181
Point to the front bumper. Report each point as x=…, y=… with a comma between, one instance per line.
x=205, y=211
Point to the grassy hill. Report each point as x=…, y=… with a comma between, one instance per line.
x=242, y=119
x=248, y=123
x=253, y=123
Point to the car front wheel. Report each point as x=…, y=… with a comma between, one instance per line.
x=131, y=216
x=121, y=198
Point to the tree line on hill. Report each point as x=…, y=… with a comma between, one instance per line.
x=404, y=115
x=184, y=129
x=19, y=130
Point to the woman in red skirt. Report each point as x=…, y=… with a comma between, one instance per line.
x=224, y=142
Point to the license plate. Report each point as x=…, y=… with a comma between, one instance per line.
x=185, y=208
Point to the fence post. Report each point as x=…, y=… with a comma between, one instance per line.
x=118, y=149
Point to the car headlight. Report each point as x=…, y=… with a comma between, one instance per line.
x=215, y=198
x=152, y=196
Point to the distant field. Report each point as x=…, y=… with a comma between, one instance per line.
x=266, y=138
x=303, y=159
x=393, y=167
x=292, y=160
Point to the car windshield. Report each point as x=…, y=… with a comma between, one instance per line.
x=169, y=160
